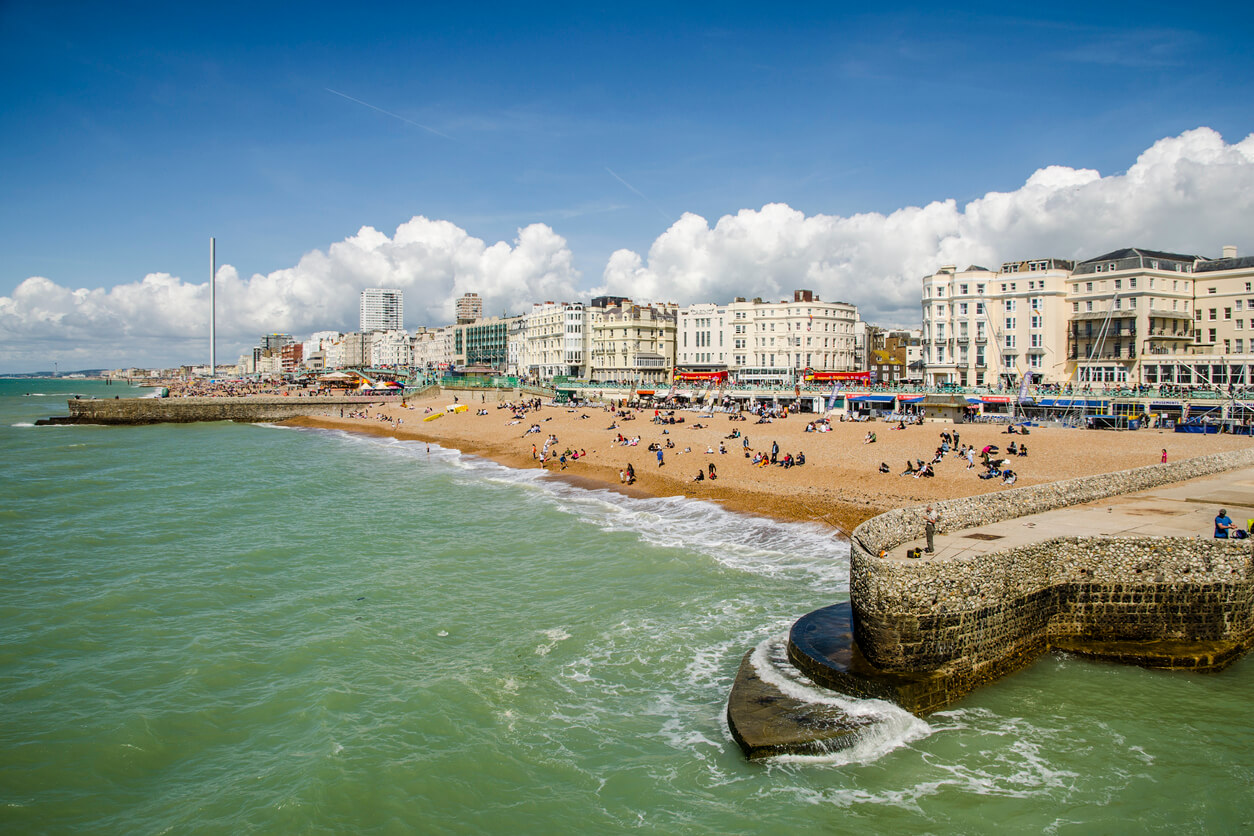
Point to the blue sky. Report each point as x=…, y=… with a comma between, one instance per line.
x=132, y=132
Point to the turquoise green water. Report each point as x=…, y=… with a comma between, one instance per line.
x=228, y=628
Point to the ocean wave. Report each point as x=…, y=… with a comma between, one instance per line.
x=893, y=726
x=740, y=542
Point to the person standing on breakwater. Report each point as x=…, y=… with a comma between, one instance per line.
x=930, y=519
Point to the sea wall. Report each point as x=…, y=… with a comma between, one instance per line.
x=893, y=528
x=250, y=408
x=976, y=618
x=188, y=410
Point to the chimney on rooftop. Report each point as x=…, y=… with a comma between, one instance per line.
x=1230, y=251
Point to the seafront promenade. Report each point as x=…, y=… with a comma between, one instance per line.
x=1184, y=510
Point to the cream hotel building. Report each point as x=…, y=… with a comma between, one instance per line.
x=1127, y=317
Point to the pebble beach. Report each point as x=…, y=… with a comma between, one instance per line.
x=839, y=485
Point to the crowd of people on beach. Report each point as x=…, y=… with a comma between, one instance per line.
x=989, y=461
x=995, y=464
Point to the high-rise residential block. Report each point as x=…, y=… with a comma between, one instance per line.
x=382, y=309
x=469, y=308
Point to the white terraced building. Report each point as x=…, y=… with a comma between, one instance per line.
x=768, y=342
x=555, y=341
x=631, y=343
x=1127, y=317
x=981, y=327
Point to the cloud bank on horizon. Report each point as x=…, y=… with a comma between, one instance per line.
x=1190, y=193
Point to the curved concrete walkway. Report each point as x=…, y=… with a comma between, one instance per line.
x=1182, y=509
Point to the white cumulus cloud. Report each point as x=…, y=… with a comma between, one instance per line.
x=1192, y=194
x=162, y=319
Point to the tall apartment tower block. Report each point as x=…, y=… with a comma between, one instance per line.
x=382, y=309
x=469, y=309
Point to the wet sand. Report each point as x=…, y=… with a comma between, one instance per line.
x=840, y=484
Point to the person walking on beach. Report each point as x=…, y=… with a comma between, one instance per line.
x=930, y=519
x=659, y=457
x=1164, y=455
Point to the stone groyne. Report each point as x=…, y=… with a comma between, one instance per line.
x=924, y=633
x=248, y=408
x=1166, y=601
x=130, y=411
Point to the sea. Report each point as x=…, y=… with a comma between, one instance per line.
x=233, y=628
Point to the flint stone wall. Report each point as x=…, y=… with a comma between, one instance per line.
x=978, y=617
x=188, y=410
x=250, y=408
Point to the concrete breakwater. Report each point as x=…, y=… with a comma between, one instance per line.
x=128, y=411
x=924, y=633
x=250, y=408
x=977, y=618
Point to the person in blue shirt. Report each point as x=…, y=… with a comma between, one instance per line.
x=1223, y=524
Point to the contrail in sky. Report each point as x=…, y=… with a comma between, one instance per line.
x=388, y=113
x=668, y=218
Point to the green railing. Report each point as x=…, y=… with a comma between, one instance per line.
x=479, y=382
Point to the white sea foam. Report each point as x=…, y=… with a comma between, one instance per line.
x=555, y=637
x=737, y=541
x=893, y=726
x=740, y=542
x=1019, y=768
x=22, y=424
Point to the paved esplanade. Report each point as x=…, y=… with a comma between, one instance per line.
x=1183, y=509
